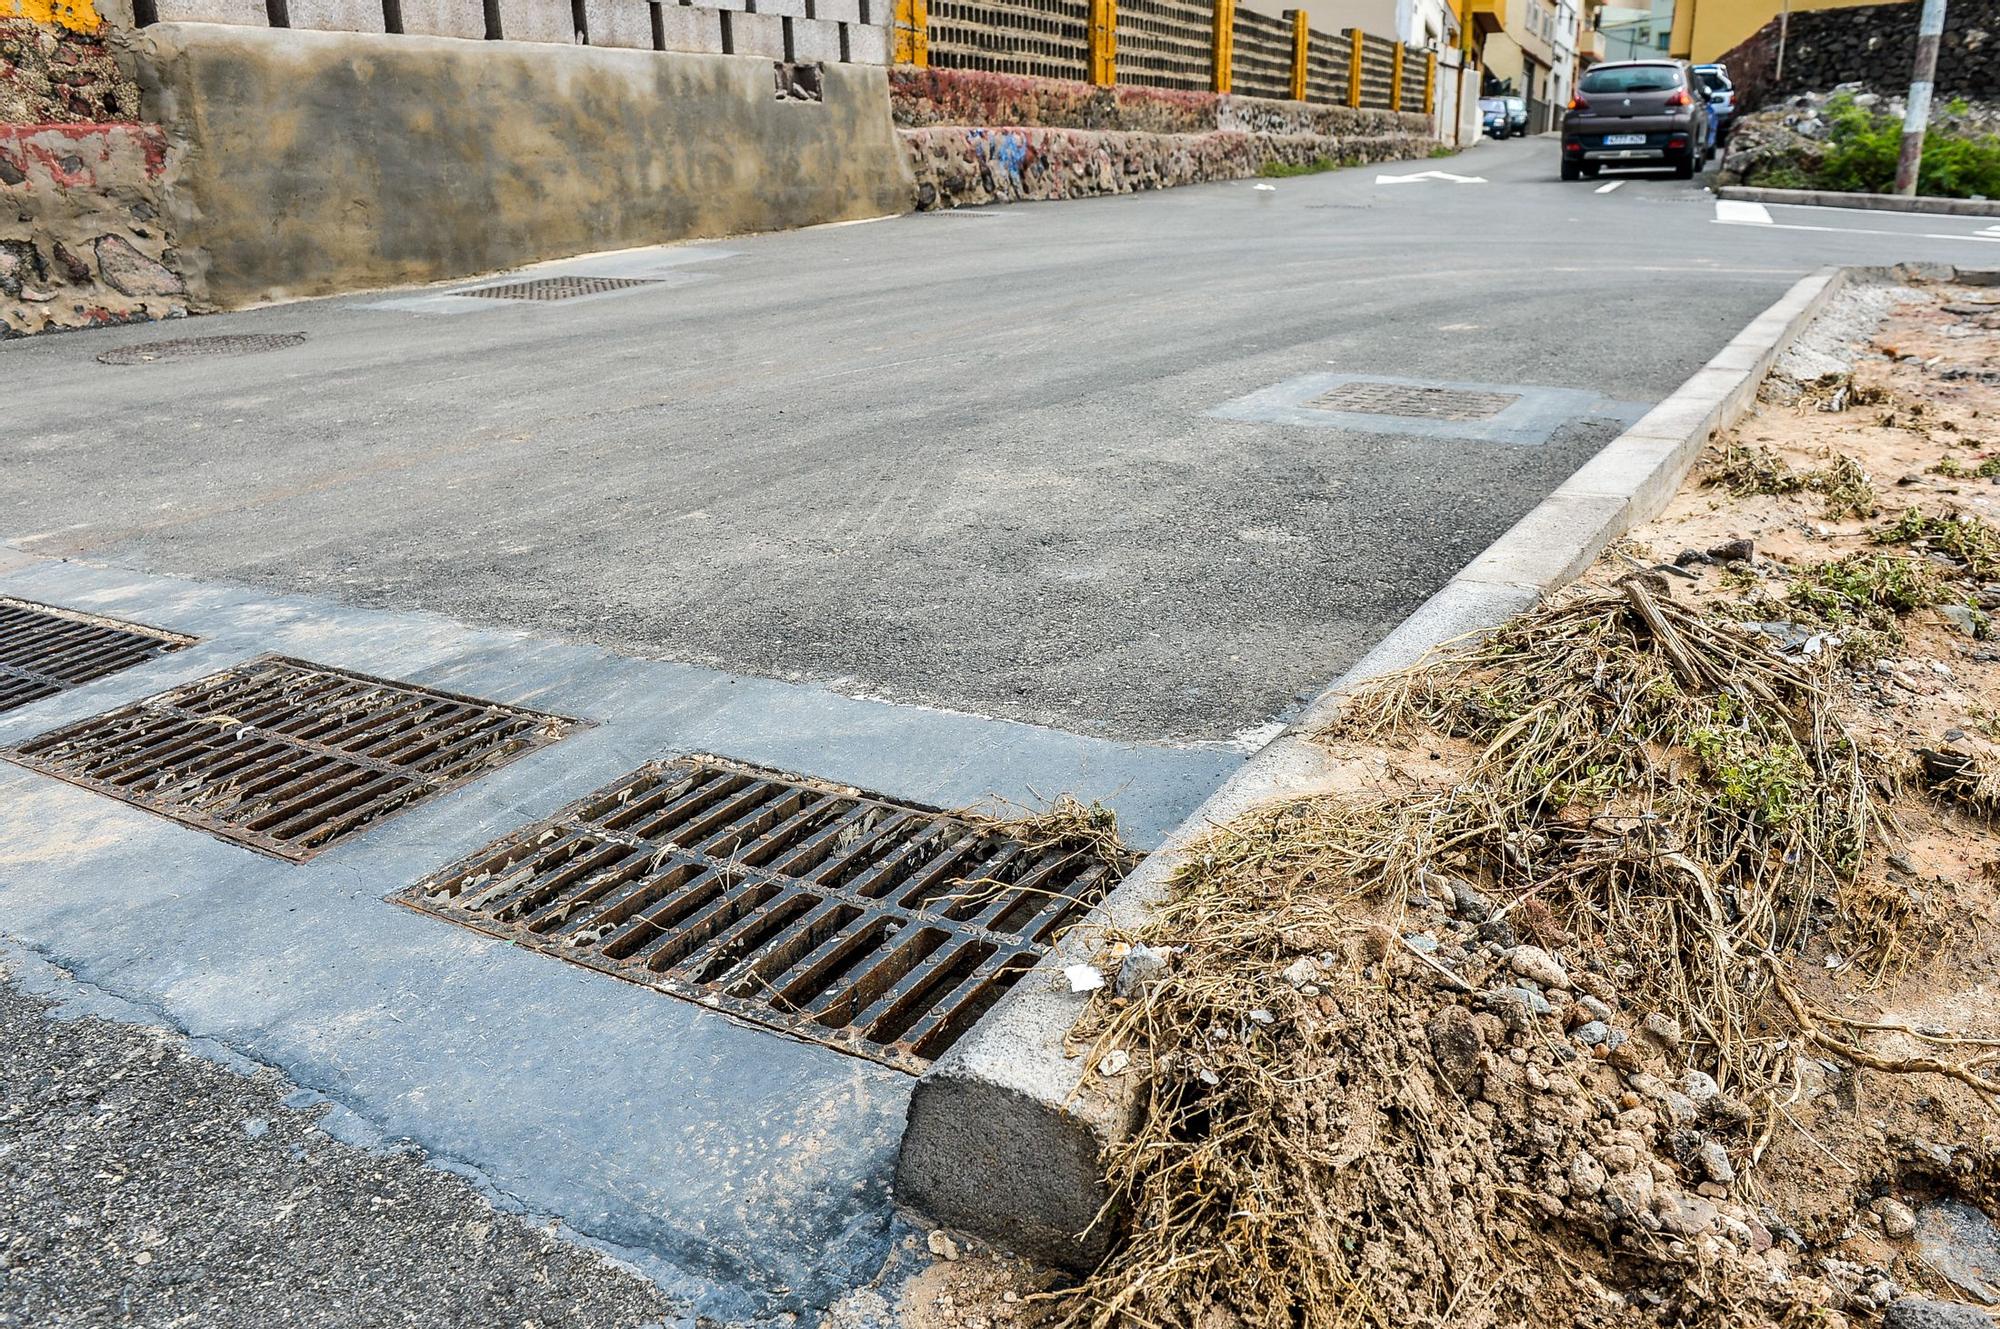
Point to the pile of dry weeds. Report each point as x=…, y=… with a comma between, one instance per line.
x=1501, y=1041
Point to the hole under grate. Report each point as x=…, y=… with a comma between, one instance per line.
x=288, y=757
x=877, y=927
x=557, y=288
x=1414, y=400
x=45, y=650
x=190, y=348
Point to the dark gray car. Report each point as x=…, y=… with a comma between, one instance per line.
x=1636, y=112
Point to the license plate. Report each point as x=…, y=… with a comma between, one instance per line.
x=1624, y=140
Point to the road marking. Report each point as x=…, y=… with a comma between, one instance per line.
x=1857, y=230
x=1430, y=175
x=1605, y=189
x=1750, y=214
x=1991, y=230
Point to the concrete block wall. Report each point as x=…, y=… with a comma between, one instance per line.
x=825, y=31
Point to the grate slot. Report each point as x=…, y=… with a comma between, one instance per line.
x=881, y=928
x=288, y=757
x=1416, y=400
x=556, y=288
x=45, y=650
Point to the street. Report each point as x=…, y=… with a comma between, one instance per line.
x=1012, y=502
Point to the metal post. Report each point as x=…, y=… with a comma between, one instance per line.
x=1784, y=31
x=1223, y=50
x=1355, y=40
x=1301, y=34
x=1103, y=42
x=1430, y=82
x=1396, y=81
x=913, y=46
x=1918, y=117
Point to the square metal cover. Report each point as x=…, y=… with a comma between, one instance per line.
x=1368, y=398
x=556, y=288
x=879, y=927
x=288, y=757
x=45, y=650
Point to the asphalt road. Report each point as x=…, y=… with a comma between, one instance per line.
x=965, y=460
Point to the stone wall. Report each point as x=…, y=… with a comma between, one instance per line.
x=305, y=163
x=1001, y=138
x=1872, y=45
x=82, y=235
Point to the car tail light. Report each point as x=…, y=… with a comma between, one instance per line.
x=1577, y=103
x=1680, y=98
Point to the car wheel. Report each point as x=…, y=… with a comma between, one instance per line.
x=1684, y=168
x=1591, y=172
x=1572, y=171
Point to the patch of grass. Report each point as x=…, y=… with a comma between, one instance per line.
x=1286, y=170
x=1953, y=469
x=1871, y=590
x=1745, y=470
x=1863, y=145
x=1961, y=537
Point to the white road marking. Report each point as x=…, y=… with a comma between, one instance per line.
x=1746, y=214
x=1991, y=230
x=1430, y=175
x=1858, y=230
x=1605, y=189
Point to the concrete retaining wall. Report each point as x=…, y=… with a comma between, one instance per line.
x=305, y=163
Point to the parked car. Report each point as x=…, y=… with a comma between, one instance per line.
x=1493, y=116
x=1721, y=100
x=1632, y=112
x=1517, y=114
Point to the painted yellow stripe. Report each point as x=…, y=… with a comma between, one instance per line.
x=76, y=15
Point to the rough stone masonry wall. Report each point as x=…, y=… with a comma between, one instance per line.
x=1871, y=44
x=81, y=236
x=975, y=137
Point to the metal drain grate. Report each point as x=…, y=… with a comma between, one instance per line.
x=288, y=757
x=557, y=288
x=877, y=927
x=1411, y=400
x=45, y=650
x=190, y=348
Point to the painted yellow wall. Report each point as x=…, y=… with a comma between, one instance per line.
x=1707, y=29
x=76, y=15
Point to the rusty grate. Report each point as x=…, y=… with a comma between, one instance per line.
x=557, y=288
x=190, y=348
x=877, y=927
x=288, y=757
x=1412, y=400
x=45, y=650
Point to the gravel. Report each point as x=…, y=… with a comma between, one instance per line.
x=143, y=1185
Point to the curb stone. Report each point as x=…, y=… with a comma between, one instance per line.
x=1834, y=198
x=1004, y=1134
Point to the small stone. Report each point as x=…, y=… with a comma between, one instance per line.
x=255, y=1127
x=1923, y=1313
x=1595, y=1009
x=143, y=1257
x=942, y=1245
x=1965, y=618
x=1114, y=1062
x=1140, y=964
x=1663, y=1029
x=1302, y=972
x=1469, y=904
x=1734, y=551
x=130, y=272
x=1538, y=966
x=1592, y=1034
x=1898, y=1219
x=1700, y=1086
x=1714, y=1160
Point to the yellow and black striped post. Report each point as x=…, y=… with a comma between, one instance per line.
x=1301, y=34
x=913, y=42
x=1356, y=40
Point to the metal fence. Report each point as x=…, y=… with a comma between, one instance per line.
x=1189, y=45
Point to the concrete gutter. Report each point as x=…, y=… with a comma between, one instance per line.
x=1004, y=1136
x=1833, y=198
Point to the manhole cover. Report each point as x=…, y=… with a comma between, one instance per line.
x=190, y=348
x=556, y=288
x=288, y=757
x=878, y=927
x=1407, y=399
x=45, y=650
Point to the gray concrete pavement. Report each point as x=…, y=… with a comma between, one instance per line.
x=964, y=459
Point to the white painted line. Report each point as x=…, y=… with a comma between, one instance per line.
x=1430, y=175
x=1991, y=230
x=1857, y=230
x=1732, y=210
x=1605, y=189
x=851, y=221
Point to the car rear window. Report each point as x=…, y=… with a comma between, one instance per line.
x=1713, y=82
x=1492, y=104
x=1633, y=78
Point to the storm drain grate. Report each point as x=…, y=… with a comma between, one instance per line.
x=45, y=650
x=557, y=288
x=190, y=348
x=288, y=757
x=1411, y=400
x=877, y=927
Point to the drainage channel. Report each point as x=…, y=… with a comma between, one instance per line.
x=881, y=928
x=287, y=757
x=45, y=650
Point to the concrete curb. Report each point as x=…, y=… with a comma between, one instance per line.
x=1831, y=198
x=1004, y=1136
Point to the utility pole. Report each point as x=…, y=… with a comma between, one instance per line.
x=1784, y=31
x=1930, y=28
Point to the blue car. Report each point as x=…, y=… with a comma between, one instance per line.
x=1721, y=99
x=1493, y=117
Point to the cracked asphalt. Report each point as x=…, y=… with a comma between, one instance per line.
x=147, y=1186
